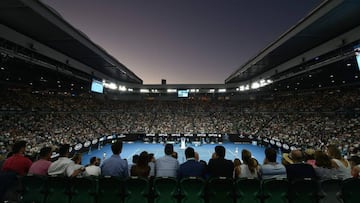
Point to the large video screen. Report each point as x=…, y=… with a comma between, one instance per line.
x=97, y=86
x=183, y=93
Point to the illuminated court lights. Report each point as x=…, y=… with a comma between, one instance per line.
x=171, y=90
x=122, y=88
x=144, y=91
x=211, y=90
x=130, y=90
x=154, y=91
x=222, y=90
x=194, y=90
x=255, y=85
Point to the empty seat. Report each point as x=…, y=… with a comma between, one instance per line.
x=220, y=189
x=275, y=190
x=34, y=188
x=247, y=190
x=192, y=189
x=350, y=190
x=136, y=190
x=83, y=190
x=304, y=190
x=165, y=189
x=111, y=189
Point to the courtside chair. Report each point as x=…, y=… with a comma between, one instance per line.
x=136, y=189
x=83, y=190
x=330, y=191
x=247, y=190
x=111, y=189
x=350, y=190
x=275, y=190
x=166, y=190
x=220, y=190
x=34, y=189
x=304, y=190
x=192, y=190
x=58, y=190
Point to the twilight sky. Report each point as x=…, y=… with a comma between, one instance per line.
x=183, y=41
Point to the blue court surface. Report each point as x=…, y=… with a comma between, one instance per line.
x=205, y=151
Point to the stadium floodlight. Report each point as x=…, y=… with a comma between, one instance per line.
x=122, y=88
x=111, y=86
x=144, y=91
x=130, y=90
x=154, y=91
x=255, y=85
x=222, y=90
x=211, y=90
x=194, y=90
x=171, y=90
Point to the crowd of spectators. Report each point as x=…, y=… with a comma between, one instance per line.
x=310, y=119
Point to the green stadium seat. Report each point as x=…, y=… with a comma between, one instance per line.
x=192, y=189
x=165, y=189
x=34, y=189
x=275, y=190
x=83, y=190
x=247, y=190
x=330, y=190
x=111, y=189
x=220, y=189
x=58, y=190
x=305, y=190
x=350, y=190
x=136, y=190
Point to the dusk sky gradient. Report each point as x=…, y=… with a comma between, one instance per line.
x=183, y=41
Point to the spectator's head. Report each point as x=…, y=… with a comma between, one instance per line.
x=174, y=155
x=309, y=154
x=322, y=159
x=98, y=161
x=169, y=149
x=237, y=162
x=220, y=151
x=245, y=156
x=116, y=147
x=196, y=156
x=151, y=157
x=296, y=156
x=189, y=153
x=334, y=152
x=135, y=158
x=93, y=160
x=45, y=153
x=77, y=158
x=64, y=150
x=19, y=147
x=270, y=154
x=354, y=160
x=143, y=159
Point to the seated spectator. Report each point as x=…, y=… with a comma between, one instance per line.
x=249, y=168
x=93, y=168
x=297, y=169
x=18, y=163
x=59, y=166
x=237, y=168
x=309, y=156
x=115, y=165
x=191, y=168
x=135, y=159
x=151, y=163
x=41, y=166
x=341, y=165
x=271, y=169
x=355, y=166
x=75, y=169
x=219, y=166
x=323, y=167
x=167, y=165
x=141, y=168
x=175, y=155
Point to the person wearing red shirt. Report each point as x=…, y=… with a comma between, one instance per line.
x=18, y=163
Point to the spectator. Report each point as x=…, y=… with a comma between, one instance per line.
x=355, y=166
x=249, y=168
x=297, y=169
x=141, y=168
x=59, y=166
x=167, y=165
x=135, y=159
x=41, y=166
x=219, y=166
x=151, y=163
x=93, y=168
x=237, y=168
x=115, y=166
x=341, y=165
x=75, y=169
x=309, y=156
x=323, y=167
x=191, y=167
x=18, y=163
x=271, y=169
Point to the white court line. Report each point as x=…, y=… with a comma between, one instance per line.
x=232, y=153
x=131, y=155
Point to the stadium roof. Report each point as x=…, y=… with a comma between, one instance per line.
x=327, y=35
x=33, y=25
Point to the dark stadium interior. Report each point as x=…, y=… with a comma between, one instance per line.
x=311, y=101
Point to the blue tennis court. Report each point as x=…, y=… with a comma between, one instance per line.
x=205, y=151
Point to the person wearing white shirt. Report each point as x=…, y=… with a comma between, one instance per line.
x=93, y=169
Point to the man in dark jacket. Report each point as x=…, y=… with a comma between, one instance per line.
x=219, y=166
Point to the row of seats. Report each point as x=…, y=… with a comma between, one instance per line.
x=188, y=190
